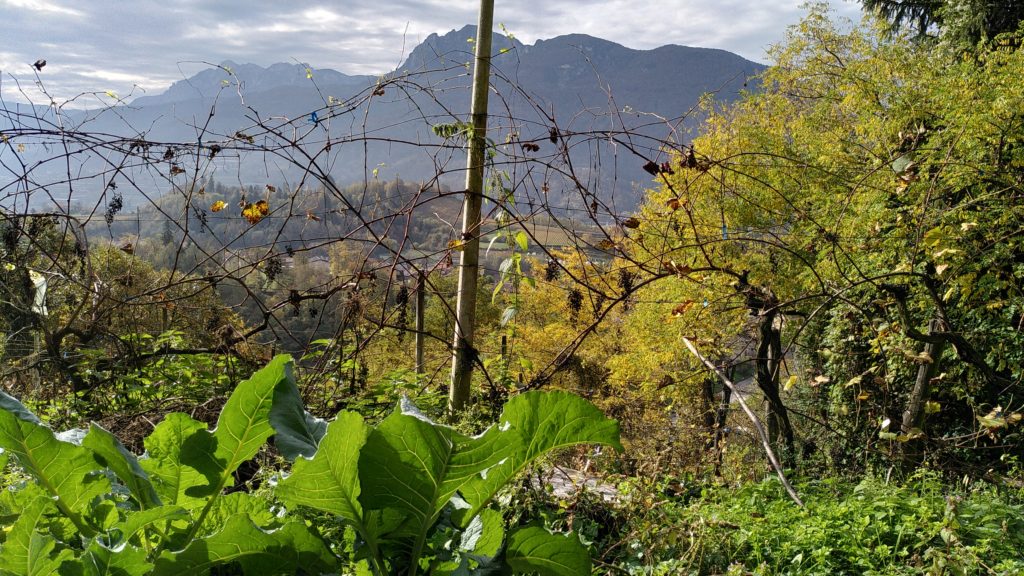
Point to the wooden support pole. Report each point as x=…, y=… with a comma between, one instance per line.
x=464, y=353
x=420, y=301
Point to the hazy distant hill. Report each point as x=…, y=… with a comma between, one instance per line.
x=584, y=83
x=253, y=79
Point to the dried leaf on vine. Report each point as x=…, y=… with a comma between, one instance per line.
x=997, y=418
x=683, y=308
x=680, y=269
x=256, y=212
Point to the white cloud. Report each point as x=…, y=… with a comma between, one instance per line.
x=109, y=75
x=41, y=6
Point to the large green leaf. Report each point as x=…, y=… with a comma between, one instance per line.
x=296, y=431
x=484, y=534
x=283, y=551
x=530, y=425
x=13, y=502
x=403, y=465
x=330, y=481
x=301, y=546
x=414, y=465
x=255, y=508
x=99, y=560
x=188, y=463
x=109, y=452
x=26, y=552
x=243, y=426
x=18, y=409
x=66, y=471
x=180, y=460
x=534, y=550
x=137, y=521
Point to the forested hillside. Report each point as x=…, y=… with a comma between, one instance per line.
x=801, y=353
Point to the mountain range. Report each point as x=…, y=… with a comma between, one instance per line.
x=585, y=86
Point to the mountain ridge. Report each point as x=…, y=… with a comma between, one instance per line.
x=436, y=48
x=575, y=84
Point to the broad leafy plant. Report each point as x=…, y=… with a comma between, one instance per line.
x=416, y=494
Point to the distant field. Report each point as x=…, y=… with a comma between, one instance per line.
x=546, y=232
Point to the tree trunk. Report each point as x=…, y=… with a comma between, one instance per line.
x=707, y=407
x=715, y=417
x=720, y=420
x=913, y=416
x=464, y=353
x=768, y=364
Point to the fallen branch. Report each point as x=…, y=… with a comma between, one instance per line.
x=753, y=419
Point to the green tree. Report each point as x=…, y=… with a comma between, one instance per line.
x=964, y=22
x=870, y=190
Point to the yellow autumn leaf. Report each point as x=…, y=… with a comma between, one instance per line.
x=790, y=382
x=218, y=206
x=256, y=211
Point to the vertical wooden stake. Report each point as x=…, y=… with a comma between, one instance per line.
x=420, y=300
x=463, y=351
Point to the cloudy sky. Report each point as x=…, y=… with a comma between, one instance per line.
x=137, y=46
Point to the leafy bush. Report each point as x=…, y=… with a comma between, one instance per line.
x=415, y=495
x=872, y=527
